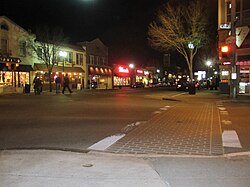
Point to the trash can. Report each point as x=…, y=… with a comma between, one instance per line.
x=27, y=88
x=191, y=88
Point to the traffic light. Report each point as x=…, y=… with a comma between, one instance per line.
x=225, y=51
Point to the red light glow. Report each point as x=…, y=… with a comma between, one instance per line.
x=139, y=71
x=123, y=70
x=224, y=49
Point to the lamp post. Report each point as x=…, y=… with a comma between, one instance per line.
x=63, y=54
x=209, y=63
x=131, y=66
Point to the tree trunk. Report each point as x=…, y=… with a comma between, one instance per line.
x=50, y=82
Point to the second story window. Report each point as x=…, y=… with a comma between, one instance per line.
x=39, y=52
x=23, y=49
x=91, y=59
x=70, y=57
x=4, y=46
x=79, y=59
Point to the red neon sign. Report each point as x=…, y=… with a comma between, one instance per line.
x=123, y=70
x=139, y=71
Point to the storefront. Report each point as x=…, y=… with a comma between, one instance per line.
x=75, y=74
x=13, y=75
x=122, y=76
x=244, y=78
x=100, y=78
x=244, y=82
x=142, y=76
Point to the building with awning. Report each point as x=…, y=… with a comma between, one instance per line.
x=15, y=64
x=98, y=74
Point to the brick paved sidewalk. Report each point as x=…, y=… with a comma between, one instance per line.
x=186, y=128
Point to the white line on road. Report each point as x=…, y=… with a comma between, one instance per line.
x=157, y=112
x=221, y=108
x=231, y=139
x=163, y=108
x=106, y=142
x=222, y=112
x=226, y=122
x=178, y=94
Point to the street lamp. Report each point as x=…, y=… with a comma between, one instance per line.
x=132, y=66
x=209, y=63
x=63, y=54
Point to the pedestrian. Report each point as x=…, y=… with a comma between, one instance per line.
x=37, y=85
x=66, y=84
x=58, y=84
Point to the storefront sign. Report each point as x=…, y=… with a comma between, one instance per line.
x=123, y=69
x=139, y=71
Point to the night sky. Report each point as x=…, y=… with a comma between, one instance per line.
x=120, y=24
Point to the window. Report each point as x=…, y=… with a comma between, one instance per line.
x=4, y=46
x=4, y=27
x=70, y=57
x=79, y=59
x=91, y=59
x=22, y=49
x=97, y=60
x=39, y=52
x=103, y=61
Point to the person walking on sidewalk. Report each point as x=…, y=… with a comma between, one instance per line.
x=58, y=84
x=66, y=84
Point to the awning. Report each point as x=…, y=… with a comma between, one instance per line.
x=100, y=71
x=43, y=67
x=24, y=68
x=20, y=68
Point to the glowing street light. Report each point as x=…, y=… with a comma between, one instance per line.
x=64, y=55
x=132, y=66
x=209, y=63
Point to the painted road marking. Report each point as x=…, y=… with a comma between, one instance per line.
x=224, y=112
x=231, y=139
x=106, y=142
x=226, y=122
x=178, y=94
x=163, y=109
x=131, y=126
x=221, y=108
x=157, y=112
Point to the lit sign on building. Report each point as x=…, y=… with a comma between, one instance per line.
x=139, y=71
x=123, y=69
x=226, y=63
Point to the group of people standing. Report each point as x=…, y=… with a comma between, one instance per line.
x=38, y=84
x=58, y=82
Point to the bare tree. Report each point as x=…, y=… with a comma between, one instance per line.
x=181, y=28
x=46, y=47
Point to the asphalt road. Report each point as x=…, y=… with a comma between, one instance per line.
x=74, y=121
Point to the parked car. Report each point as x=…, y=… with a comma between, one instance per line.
x=182, y=86
x=138, y=85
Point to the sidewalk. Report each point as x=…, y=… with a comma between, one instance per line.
x=29, y=168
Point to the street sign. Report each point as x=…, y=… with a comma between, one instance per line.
x=231, y=40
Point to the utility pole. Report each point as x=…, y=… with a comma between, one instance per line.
x=234, y=74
